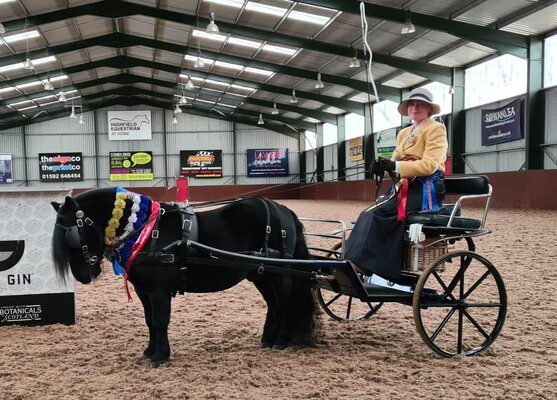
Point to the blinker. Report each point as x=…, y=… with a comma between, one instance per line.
x=72, y=237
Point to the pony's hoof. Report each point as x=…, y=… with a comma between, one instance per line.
x=265, y=345
x=156, y=364
x=279, y=347
x=142, y=357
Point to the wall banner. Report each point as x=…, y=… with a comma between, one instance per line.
x=502, y=124
x=131, y=166
x=267, y=162
x=60, y=167
x=31, y=293
x=356, y=149
x=201, y=163
x=386, y=143
x=6, y=175
x=129, y=125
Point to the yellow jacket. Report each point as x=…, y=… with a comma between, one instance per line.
x=428, y=147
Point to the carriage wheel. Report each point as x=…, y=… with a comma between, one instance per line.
x=460, y=304
x=342, y=307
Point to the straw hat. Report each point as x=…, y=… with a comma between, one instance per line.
x=420, y=94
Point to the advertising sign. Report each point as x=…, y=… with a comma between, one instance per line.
x=356, y=149
x=129, y=125
x=31, y=293
x=386, y=143
x=201, y=163
x=6, y=168
x=267, y=162
x=131, y=166
x=502, y=124
x=60, y=167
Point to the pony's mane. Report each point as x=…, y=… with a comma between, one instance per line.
x=60, y=253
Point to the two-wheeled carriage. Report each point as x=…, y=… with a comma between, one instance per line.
x=458, y=297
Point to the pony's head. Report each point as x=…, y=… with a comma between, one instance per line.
x=77, y=241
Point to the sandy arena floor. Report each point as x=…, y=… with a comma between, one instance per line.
x=215, y=340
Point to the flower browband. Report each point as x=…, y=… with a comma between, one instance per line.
x=138, y=215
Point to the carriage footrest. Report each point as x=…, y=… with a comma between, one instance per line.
x=378, y=290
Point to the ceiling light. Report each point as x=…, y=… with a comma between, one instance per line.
x=319, y=84
x=28, y=65
x=72, y=115
x=354, y=63
x=198, y=63
x=62, y=97
x=48, y=85
x=81, y=121
x=408, y=26
x=174, y=120
x=275, y=110
x=293, y=99
x=260, y=121
x=182, y=100
x=177, y=110
x=190, y=85
x=212, y=27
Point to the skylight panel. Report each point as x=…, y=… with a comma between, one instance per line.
x=193, y=58
x=265, y=9
x=21, y=36
x=244, y=42
x=309, y=18
x=27, y=108
x=28, y=85
x=217, y=83
x=228, y=65
x=226, y=105
x=245, y=88
x=18, y=103
x=205, y=101
x=6, y=89
x=231, y=3
x=279, y=49
x=258, y=71
x=50, y=96
x=36, y=62
x=210, y=36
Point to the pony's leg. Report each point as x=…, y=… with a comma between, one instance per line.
x=160, y=301
x=150, y=350
x=271, y=320
x=303, y=317
x=282, y=289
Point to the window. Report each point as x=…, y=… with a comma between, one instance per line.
x=311, y=140
x=493, y=80
x=354, y=126
x=441, y=96
x=329, y=134
x=385, y=115
x=550, y=62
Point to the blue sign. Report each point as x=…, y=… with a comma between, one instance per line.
x=267, y=162
x=502, y=124
x=6, y=168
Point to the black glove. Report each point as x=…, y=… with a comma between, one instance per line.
x=376, y=168
x=386, y=164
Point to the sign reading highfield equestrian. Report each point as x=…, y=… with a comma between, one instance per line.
x=129, y=125
x=60, y=167
x=502, y=124
x=30, y=291
x=131, y=166
x=201, y=163
x=6, y=168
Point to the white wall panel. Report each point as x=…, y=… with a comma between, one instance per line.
x=330, y=160
x=550, y=136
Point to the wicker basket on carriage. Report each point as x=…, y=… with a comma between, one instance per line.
x=420, y=255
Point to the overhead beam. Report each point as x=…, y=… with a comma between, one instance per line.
x=504, y=42
x=120, y=8
x=119, y=40
x=129, y=79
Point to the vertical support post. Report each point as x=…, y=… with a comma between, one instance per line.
x=97, y=166
x=164, y=110
x=534, y=126
x=320, y=154
x=302, y=156
x=457, y=130
x=341, y=151
x=23, y=129
x=234, y=155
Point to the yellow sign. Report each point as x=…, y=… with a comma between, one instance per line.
x=356, y=149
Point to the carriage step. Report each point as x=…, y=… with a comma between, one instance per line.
x=385, y=291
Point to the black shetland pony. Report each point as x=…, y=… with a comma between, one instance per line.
x=240, y=227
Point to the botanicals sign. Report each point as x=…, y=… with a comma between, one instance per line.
x=129, y=125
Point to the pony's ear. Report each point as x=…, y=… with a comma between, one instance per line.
x=55, y=205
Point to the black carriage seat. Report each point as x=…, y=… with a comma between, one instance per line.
x=448, y=220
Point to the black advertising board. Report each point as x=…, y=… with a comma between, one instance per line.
x=201, y=163
x=60, y=167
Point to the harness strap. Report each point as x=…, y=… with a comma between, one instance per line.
x=267, y=228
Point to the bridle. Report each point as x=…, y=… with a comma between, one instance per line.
x=76, y=237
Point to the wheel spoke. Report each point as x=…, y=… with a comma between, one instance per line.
x=333, y=300
x=476, y=324
x=349, y=307
x=459, y=335
x=484, y=305
x=476, y=284
x=442, y=324
x=445, y=288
